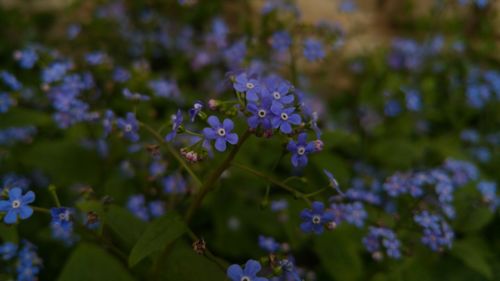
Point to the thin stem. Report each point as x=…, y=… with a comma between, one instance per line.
x=209, y=184
x=221, y=263
x=316, y=192
x=274, y=181
x=172, y=151
x=53, y=192
x=40, y=209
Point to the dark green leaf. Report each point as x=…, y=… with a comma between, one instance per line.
x=474, y=254
x=156, y=236
x=90, y=263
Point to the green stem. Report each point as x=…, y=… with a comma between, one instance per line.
x=172, y=151
x=53, y=192
x=316, y=192
x=274, y=181
x=40, y=209
x=209, y=184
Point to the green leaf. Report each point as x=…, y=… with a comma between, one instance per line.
x=183, y=264
x=124, y=225
x=90, y=263
x=8, y=233
x=474, y=254
x=339, y=254
x=156, y=237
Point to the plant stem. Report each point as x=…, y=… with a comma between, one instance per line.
x=40, y=209
x=274, y=181
x=172, y=151
x=316, y=192
x=53, y=192
x=210, y=182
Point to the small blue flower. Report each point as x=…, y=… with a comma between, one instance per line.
x=17, y=205
x=281, y=41
x=284, y=118
x=261, y=114
x=107, y=122
x=268, y=244
x=137, y=205
x=250, y=86
x=355, y=214
x=95, y=58
x=313, y=50
x=332, y=181
x=27, y=58
x=279, y=91
x=61, y=216
x=8, y=251
x=315, y=219
x=129, y=126
x=156, y=208
x=221, y=133
x=11, y=81
x=249, y=273
x=195, y=110
x=300, y=150
x=174, y=184
x=121, y=75
x=6, y=102
x=176, y=124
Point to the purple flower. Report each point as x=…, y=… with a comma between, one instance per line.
x=261, y=114
x=221, y=133
x=279, y=90
x=176, y=124
x=17, y=205
x=284, y=118
x=250, y=86
x=129, y=126
x=313, y=50
x=314, y=219
x=249, y=273
x=300, y=150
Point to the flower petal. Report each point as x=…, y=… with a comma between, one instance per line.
x=29, y=197
x=220, y=144
x=15, y=193
x=228, y=125
x=5, y=205
x=11, y=217
x=235, y=272
x=25, y=212
x=213, y=121
x=232, y=138
x=285, y=128
x=252, y=267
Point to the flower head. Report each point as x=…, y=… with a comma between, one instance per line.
x=284, y=118
x=249, y=273
x=129, y=126
x=221, y=133
x=313, y=50
x=315, y=219
x=195, y=110
x=17, y=205
x=300, y=149
x=176, y=124
x=245, y=84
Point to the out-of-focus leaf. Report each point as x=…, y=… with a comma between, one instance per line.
x=8, y=233
x=90, y=263
x=474, y=254
x=183, y=264
x=339, y=254
x=127, y=227
x=156, y=236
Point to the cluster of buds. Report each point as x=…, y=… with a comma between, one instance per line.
x=191, y=156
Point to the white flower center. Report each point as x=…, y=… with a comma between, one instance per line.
x=64, y=216
x=245, y=278
x=301, y=150
x=16, y=204
x=250, y=85
x=316, y=219
x=284, y=116
x=261, y=113
x=197, y=106
x=221, y=132
x=276, y=95
x=128, y=128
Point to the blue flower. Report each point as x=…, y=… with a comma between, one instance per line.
x=313, y=50
x=174, y=184
x=332, y=181
x=249, y=273
x=250, y=86
x=11, y=81
x=129, y=126
x=107, y=122
x=156, y=208
x=488, y=190
x=121, y=75
x=134, y=96
x=164, y=88
x=281, y=41
x=261, y=114
x=27, y=58
x=17, y=205
x=284, y=118
x=95, y=58
x=300, y=150
x=268, y=244
x=8, y=250
x=176, y=124
x=5, y=102
x=279, y=91
x=195, y=110
x=54, y=72
x=427, y=220
x=379, y=236
x=355, y=214
x=315, y=219
x=221, y=133
x=137, y=205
